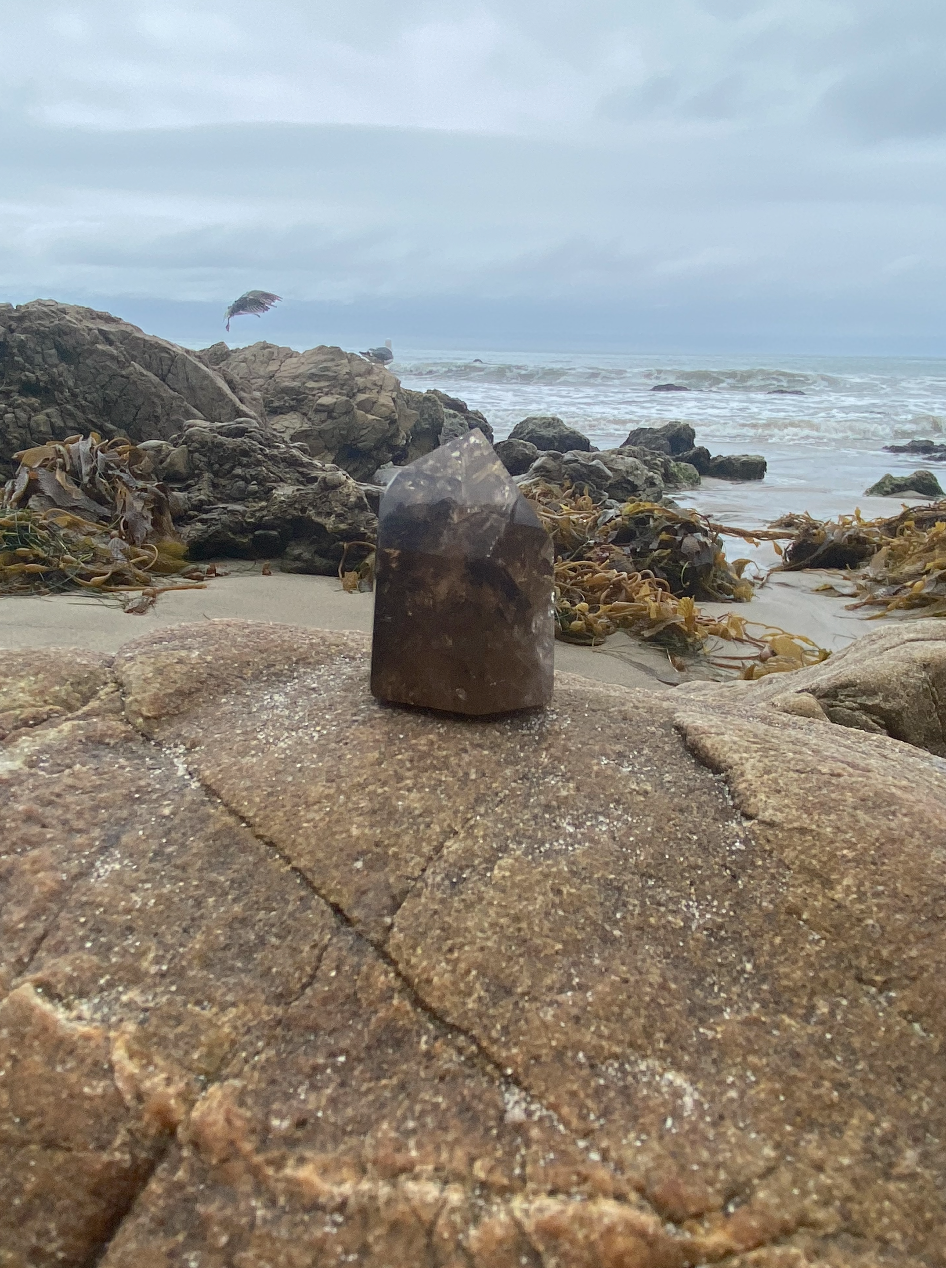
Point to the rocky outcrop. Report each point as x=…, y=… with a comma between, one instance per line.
x=517, y=456
x=737, y=466
x=241, y=492
x=673, y=438
x=342, y=407
x=891, y=683
x=66, y=370
x=919, y=484
x=677, y=439
x=547, y=432
x=288, y=977
x=621, y=474
x=698, y=457
x=936, y=450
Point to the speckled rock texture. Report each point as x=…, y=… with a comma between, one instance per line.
x=242, y=491
x=66, y=369
x=290, y=978
x=342, y=407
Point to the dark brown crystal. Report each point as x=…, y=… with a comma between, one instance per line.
x=463, y=594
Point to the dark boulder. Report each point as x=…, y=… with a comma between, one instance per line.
x=921, y=484
x=930, y=448
x=249, y=494
x=547, y=432
x=439, y=418
x=669, y=387
x=472, y=418
x=737, y=466
x=699, y=457
x=672, y=438
x=517, y=456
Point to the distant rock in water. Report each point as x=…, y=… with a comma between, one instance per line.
x=677, y=439
x=698, y=457
x=672, y=438
x=929, y=448
x=785, y=391
x=547, y=432
x=669, y=387
x=737, y=466
x=921, y=484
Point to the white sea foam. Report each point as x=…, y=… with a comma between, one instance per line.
x=859, y=402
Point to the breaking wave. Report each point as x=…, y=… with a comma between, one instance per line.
x=856, y=402
x=753, y=380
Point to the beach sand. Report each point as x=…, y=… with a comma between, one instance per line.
x=77, y=620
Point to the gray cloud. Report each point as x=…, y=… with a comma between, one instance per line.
x=778, y=162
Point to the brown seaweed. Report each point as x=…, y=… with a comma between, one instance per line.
x=898, y=562
x=83, y=514
x=642, y=568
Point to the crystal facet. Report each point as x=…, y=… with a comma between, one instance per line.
x=463, y=594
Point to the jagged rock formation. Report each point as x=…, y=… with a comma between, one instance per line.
x=623, y=474
x=678, y=439
x=342, y=407
x=67, y=370
x=288, y=977
x=517, y=456
x=242, y=492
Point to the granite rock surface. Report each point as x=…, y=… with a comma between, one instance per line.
x=289, y=977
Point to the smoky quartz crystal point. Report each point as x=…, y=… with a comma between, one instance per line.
x=463, y=589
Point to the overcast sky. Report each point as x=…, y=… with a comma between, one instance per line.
x=681, y=174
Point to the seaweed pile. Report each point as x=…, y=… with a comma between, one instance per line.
x=901, y=559
x=643, y=568
x=83, y=513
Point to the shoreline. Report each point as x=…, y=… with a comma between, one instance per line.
x=70, y=620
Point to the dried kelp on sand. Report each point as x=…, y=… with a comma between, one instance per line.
x=643, y=568
x=899, y=562
x=83, y=514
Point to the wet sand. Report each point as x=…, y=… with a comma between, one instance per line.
x=75, y=620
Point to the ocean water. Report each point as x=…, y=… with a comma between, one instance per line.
x=821, y=422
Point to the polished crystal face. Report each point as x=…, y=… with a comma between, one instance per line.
x=463, y=602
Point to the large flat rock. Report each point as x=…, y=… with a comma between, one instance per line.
x=291, y=978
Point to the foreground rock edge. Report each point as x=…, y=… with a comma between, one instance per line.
x=163, y=680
